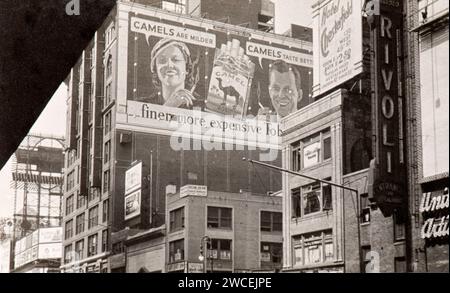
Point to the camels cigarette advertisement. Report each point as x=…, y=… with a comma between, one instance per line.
x=180, y=65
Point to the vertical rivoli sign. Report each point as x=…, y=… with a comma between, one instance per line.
x=388, y=188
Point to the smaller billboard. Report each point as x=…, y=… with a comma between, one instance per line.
x=133, y=205
x=133, y=177
x=338, y=52
x=50, y=235
x=50, y=250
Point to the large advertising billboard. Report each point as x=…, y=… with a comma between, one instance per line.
x=338, y=45
x=204, y=78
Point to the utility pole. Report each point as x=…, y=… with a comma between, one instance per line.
x=360, y=256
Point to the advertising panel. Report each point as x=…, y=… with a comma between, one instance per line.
x=50, y=235
x=133, y=178
x=202, y=78
x=50, y=250
x=133, y=205
x=337, y=39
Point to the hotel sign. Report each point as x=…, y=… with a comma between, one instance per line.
x=387, y=104
x=434, y=207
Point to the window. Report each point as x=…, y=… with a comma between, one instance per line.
x=312, y=198
x=400, y=265
x=68, y=232
x=271, y=221
x=399, y=226
x=70, y=180
x=296, y=203
x=106, y=181
x=107, y=98
x=219, y=217
x=107, y=154
x=313, y=248
x=220, y=249
x=177, y=219
x=176, y=250
x=79, y=250
x=105, y=210
x=367, y=257
x=81, y=200
x=92, y=245
x=296, y=157
x=365, y=208
x=311, y=151
x=271, y=252
x=69, y=204
x=93, y=217
x=107, y=123
x=118, y=248
x=68, y=253
x=93, y=193
x=105, y=240
x=109, y=67
x=79, y=222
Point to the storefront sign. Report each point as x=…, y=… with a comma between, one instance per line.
x=434, y=207
x=194, y=190
x=195, y=267
x=175, y=267
x=387, y=104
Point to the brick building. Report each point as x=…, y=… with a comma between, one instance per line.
x=244, y=231
x=426, y=38
x=101, y=143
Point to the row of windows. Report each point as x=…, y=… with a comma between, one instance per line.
x=76, y=251
x=92, y=220
x=221, y=249
x=221, y=218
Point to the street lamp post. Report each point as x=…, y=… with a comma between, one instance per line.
x=203, y=257
x=332, y=184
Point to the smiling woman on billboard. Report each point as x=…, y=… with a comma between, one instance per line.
x=171, y=66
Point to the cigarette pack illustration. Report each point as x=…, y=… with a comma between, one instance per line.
x=231, y=79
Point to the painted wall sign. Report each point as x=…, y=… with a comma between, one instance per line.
x=434, y=207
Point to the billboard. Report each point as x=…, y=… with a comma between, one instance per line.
x=338, y=45
x=202, y=78
x=50, y=235
x=133, y=178
x=50, y=250
x=133, y=205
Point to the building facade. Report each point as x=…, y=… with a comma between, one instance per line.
x=234, y=232
x=427, y=44
x=115, y=119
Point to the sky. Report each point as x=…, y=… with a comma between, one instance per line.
x=53, y=119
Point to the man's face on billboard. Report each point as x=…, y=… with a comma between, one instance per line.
x=283, y=92
x=171, y=66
